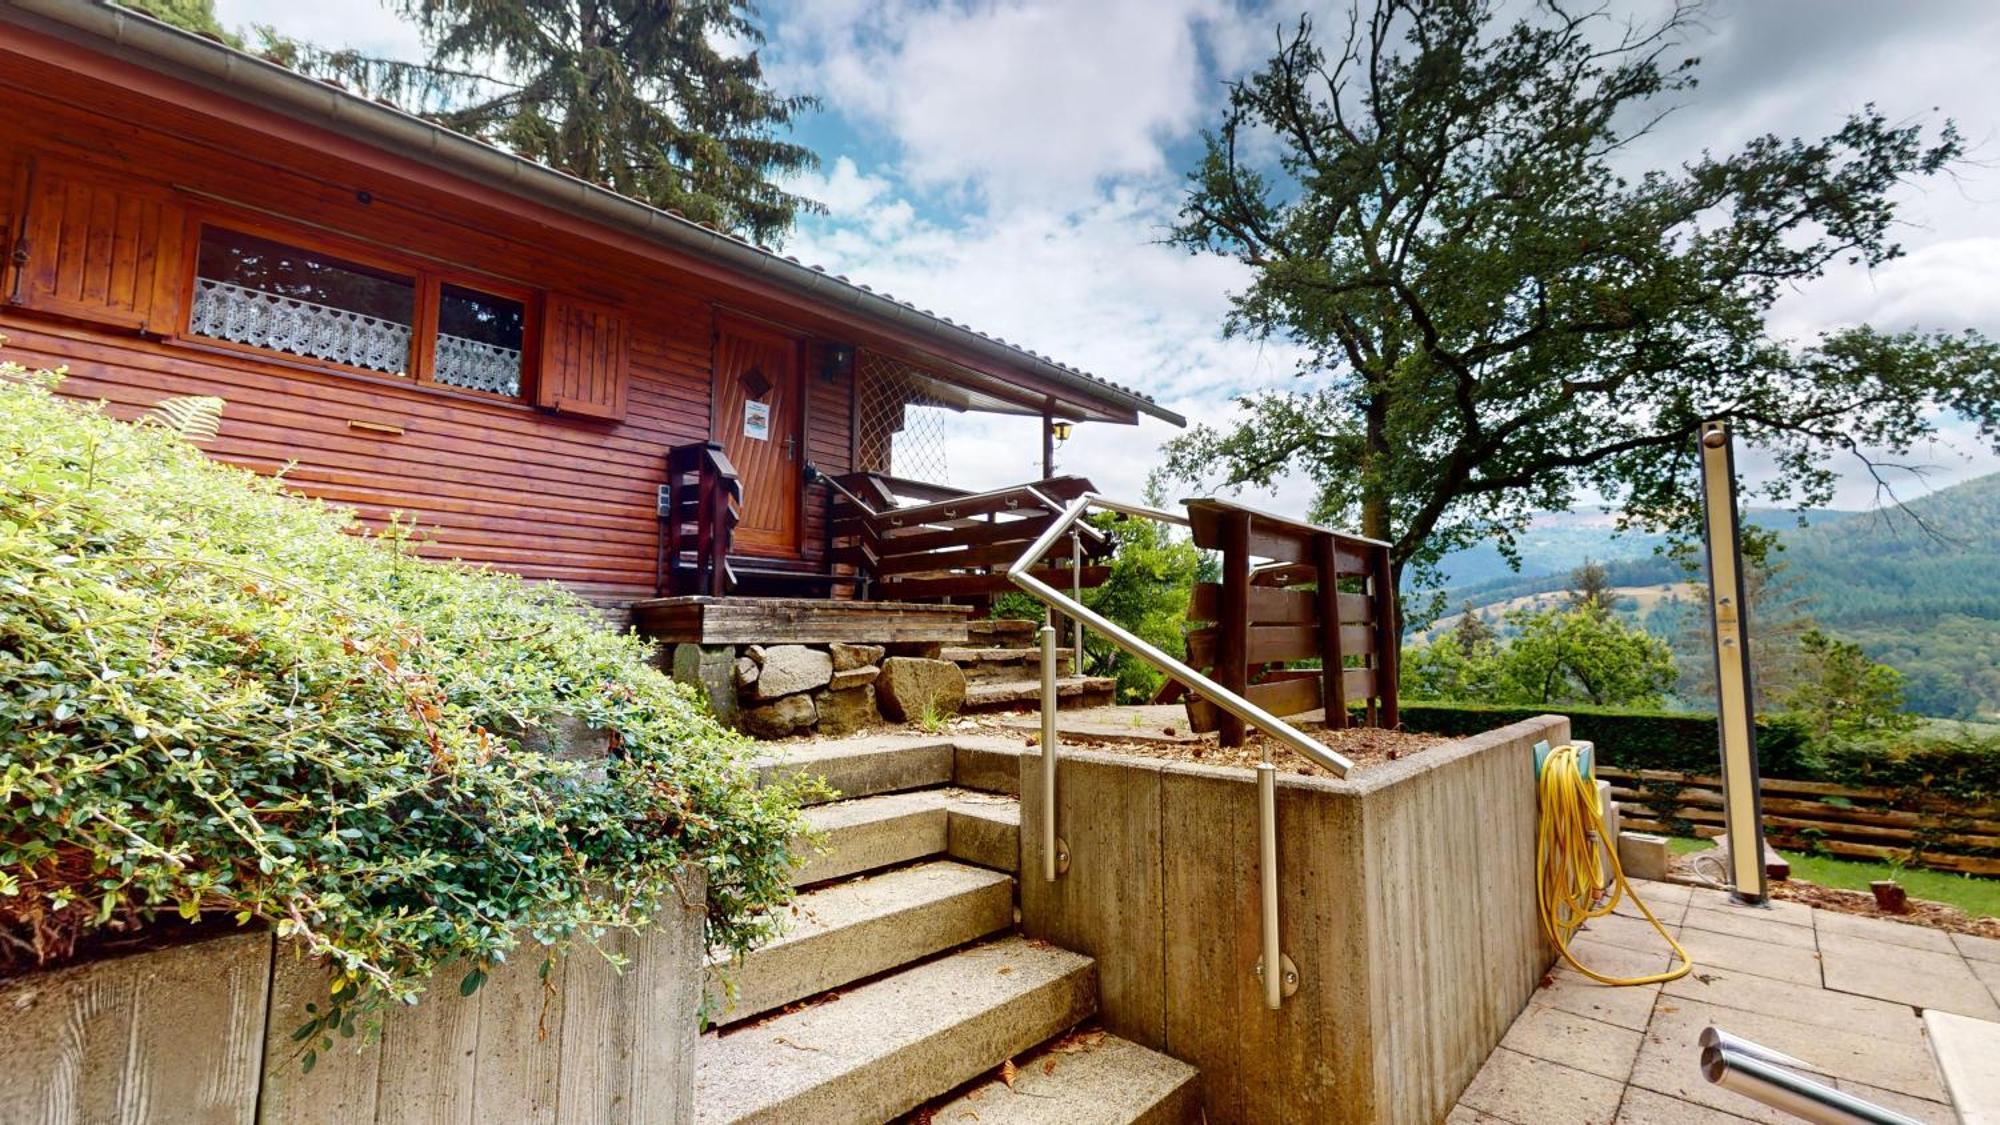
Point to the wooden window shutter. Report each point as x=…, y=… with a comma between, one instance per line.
x=99, y=249
x=583, y=359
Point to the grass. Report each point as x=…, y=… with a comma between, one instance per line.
x=1979, y=897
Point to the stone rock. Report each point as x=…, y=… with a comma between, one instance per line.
x=847, y=657
x=846, y=710
x=789, y=670
x=853, y=677
x=747, y=671
x=710, y=670
x=912, y=687
x=789, y=715
x=756, y=654
x=923, y=650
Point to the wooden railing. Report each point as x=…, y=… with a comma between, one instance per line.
x=1259, y=621
x=913, y=541
x=698, y=509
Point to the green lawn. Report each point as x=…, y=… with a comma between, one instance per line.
x=1976, y=896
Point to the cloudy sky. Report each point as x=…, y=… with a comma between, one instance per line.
x=1015, y=163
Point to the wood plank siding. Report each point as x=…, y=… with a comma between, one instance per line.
x=107, y=173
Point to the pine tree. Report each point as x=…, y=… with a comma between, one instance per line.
x=649, y=99
x=1473, y=635
x=1590, y=588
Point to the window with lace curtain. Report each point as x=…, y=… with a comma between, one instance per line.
x=298, y=300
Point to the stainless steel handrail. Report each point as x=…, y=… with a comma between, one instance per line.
x=1759, y=1073
x=1277, y=977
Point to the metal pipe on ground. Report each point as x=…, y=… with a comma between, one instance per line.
x=1745, y=1068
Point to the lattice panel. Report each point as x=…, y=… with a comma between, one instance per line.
x=901, y=429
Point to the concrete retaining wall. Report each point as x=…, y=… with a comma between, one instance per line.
x=203, y=1032
x=1407, y=903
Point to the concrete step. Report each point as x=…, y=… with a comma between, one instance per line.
x=985, y=830
x=986, y=665
x=850, y=931
x=1002, y=633
x=1021, y=695
x=873, y=832
x=863, y=767
x=1090, y=1078
x=889, y=1045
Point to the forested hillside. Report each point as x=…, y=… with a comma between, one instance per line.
x=1918, y=589
x=1925, y=601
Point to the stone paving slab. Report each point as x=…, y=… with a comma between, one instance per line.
x=1975, y=948
x=1524, y=1089
x=1843, y=993
x=1576, y=993
x=1752, y=955
x=1724, y=988
x=1644, y=1107
x=1579, y=1041
x=1832, y=922
x=1929, y=1112
x=1740, y=922
x=1905, y=974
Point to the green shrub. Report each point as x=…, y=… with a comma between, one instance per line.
x=1633, y=740
x=216, y=698
x=1962, y=768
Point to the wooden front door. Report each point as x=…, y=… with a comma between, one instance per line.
x=759, y=419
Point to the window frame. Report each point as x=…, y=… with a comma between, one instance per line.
x=428, y=278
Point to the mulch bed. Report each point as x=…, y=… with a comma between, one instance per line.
x=1935, y=915
x=1364, y=746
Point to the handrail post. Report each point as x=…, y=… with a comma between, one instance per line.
x=1048, y=640
x=1271, y=966
x=1076, y=591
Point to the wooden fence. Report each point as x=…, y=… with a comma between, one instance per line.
x=1259, y=623
x=203, y=1033
x=1815, y=816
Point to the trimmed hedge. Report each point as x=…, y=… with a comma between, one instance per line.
x=1637, y=740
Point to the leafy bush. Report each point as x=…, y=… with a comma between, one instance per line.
x=1633, y=740
x=216, y=698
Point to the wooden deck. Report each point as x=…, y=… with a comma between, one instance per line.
x=765, y=621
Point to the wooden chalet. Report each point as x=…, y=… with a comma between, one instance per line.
x=545, y=376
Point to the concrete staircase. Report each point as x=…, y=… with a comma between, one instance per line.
x=1003, y=671
x=902, y=986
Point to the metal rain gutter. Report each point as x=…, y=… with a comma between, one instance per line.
x=148, y=42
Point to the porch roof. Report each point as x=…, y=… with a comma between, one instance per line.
x=957, y=351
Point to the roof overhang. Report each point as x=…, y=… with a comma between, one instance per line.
x=140, y=40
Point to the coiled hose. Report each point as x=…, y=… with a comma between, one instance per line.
x=1569, y=865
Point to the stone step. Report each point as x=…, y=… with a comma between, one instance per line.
x=984, y=830
x=872, y=832
x=863, y=767
x=1023, y=695
x=850, y=931
x=1090, y=1078
x=983, y=665
x=1006, y=633
x=891, y=1044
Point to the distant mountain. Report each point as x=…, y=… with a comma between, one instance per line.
x=1924, y=601
x=1558, y=542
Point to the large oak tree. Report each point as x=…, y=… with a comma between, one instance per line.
x=1499, y=314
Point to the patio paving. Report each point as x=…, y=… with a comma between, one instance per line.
x=1841, y=992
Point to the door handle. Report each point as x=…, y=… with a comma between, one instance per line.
x=791, y=448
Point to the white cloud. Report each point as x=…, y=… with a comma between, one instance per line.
x=364, y=25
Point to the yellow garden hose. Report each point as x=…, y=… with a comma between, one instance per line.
x=1569, y=864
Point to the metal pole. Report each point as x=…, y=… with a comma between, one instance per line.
x=1735, y=695
x=1076, y=591
x=1782, y=1090
x=1267, y=873
x=1048, y=639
